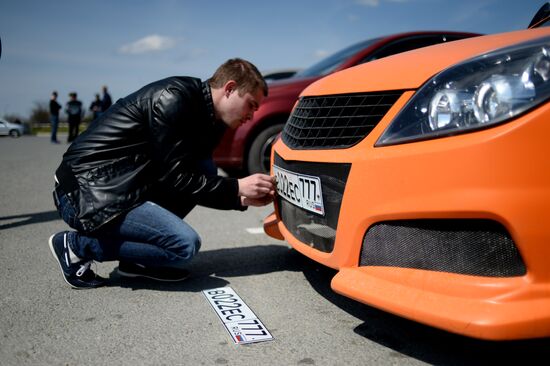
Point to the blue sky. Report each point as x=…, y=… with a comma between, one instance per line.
x=81, y=45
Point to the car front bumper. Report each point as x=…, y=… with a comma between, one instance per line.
x=499, y=175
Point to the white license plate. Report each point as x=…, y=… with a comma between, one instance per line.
x=301, y=190
x=241, y=322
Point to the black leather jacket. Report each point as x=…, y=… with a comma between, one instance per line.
x=147, y=147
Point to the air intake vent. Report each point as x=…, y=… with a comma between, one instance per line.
x=336, y=121
x=472, y=247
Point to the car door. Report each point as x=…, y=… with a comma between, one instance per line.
x=4, y=130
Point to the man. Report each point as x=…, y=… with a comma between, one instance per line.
x=126, y=183
x=54, y=117
x=95, y=107
x=106, y=102
x=74, y=111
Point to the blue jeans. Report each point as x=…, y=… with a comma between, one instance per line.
x=148, y=235
x=54, y=123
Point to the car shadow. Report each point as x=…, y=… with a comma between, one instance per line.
x=407, y=338
x=210, y=269
x=27, y=219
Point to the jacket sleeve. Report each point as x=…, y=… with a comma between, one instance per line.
x=177, y=165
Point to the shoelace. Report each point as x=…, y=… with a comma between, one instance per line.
x=83, y=268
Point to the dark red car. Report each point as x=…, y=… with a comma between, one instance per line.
x=246, y=150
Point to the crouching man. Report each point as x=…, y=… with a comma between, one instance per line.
x=126, y=183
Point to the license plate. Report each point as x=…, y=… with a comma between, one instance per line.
x=301, y=190
x=241, y=322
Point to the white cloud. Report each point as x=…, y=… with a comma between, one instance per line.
x=152, y=43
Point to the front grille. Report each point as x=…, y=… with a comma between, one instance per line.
x=471, y=247
x=310, y=228
x=336, y=121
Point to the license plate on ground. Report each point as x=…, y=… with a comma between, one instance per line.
x=301, y=190
x=241, y=322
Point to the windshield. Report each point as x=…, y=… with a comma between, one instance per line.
x=545, y=23
x=331, y=63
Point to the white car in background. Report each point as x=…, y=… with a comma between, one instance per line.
x=10, y=129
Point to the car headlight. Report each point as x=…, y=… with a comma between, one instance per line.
x=478, y=93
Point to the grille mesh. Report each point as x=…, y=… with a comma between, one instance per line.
x=336, y=121
x=472, y=247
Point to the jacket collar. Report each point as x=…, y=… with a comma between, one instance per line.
x=209, y=102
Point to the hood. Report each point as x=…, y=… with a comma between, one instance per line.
x=409, y=70
x=293, y=86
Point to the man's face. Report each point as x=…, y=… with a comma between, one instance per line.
x=239, y=108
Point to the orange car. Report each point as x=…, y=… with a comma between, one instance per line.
x=424, y=179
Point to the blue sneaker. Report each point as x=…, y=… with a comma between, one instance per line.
x=77, y=275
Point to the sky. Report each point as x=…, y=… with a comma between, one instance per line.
x=81, y=45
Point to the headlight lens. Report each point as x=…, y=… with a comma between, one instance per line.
x=478, y=93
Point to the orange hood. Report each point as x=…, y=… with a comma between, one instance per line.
x=409, y=70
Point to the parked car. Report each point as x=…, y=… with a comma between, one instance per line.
x=423, y=178
x=10, y=129
x=246, y=149
x=281, y=74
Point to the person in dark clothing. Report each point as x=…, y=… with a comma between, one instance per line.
x=74, y=111
x=106, y=102
x=126, y=183
x=54, y=117
x=95, y=107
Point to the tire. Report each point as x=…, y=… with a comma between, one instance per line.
x=15, y=133
x=259, y=154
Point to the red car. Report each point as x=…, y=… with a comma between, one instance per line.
x=246, y=150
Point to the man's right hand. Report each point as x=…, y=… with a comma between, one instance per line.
x=257, y=186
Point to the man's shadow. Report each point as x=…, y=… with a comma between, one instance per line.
x=209, y=266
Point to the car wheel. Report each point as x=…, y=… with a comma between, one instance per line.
x=15, y=133
x=259, y=153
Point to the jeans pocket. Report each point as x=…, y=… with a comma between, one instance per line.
x=66, y=210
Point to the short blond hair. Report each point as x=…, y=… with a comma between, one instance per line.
x=244, y=73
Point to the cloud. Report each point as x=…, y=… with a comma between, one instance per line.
x=152, y=43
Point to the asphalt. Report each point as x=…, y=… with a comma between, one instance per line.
x=142, y=322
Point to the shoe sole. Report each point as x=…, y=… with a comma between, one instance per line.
x=50, y=243
x=133, y=275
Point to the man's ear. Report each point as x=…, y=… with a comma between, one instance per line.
x=229, y=87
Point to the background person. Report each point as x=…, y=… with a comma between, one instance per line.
x=74, y=112
x=106, y=101
x=95, y=107
x=54, y=117
x=126, y=183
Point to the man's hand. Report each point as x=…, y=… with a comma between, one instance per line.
x=257, y=186
x=257, y=190
x=257, y=202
